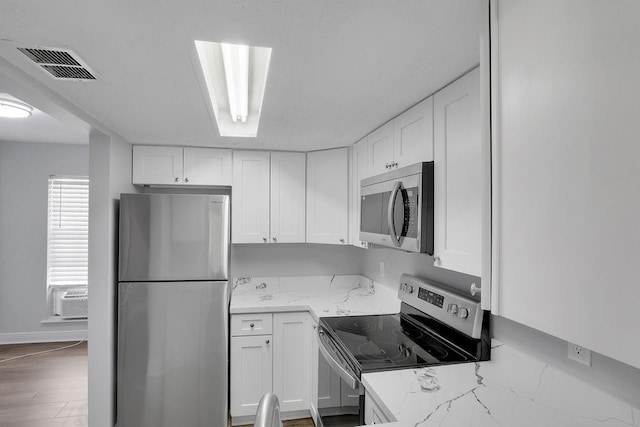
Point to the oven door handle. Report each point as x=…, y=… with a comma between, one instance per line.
x=348, y=378
x=391, y=213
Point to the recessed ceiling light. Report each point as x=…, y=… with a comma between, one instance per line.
x=235, y=77
x=12, y=109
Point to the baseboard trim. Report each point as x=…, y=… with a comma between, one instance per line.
x=48, y=336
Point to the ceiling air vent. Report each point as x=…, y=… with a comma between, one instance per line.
x=62, y=64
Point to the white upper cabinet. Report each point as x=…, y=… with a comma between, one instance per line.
x=380, y=150
x=268, y=197
x=157, y=165
x=207, y=166
x=413, y=135
x=288, y=189
x=458, y=176
x=181, y=166
x=403, y=141
x=358, y=172
x=250, y=193
x=567, y=171
x=328, y=196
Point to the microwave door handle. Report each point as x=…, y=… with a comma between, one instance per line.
x=391, y=212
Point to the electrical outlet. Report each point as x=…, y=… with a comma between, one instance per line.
x=381, y=268
x=579, y=354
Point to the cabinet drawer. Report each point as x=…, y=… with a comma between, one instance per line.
x=251, y=324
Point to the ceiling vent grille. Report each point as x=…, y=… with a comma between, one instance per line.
x=62, y=64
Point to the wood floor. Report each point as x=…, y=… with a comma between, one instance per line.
x=45, y=390
x=50, y=389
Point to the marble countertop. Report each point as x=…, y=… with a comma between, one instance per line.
x=512, y=389
x=322, y=296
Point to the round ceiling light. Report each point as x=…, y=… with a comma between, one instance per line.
x=12, y=109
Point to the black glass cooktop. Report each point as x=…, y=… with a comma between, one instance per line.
x=389, y=341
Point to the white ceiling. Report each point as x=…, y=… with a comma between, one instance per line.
x=39, y=127
x=338, y=68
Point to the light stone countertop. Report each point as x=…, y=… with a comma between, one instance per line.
x=322, y=296
x=512, y=389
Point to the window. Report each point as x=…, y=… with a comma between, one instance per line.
x=68, y=231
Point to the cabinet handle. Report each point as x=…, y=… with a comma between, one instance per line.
x=186, y=180
x=274, y=239
x=387, y=165
x=394, y=164
x=177, y=179
x=251, y=325
x=436, y=258
x=315, y=327
x=264, y=239
x=266, y=342
x=341, y=240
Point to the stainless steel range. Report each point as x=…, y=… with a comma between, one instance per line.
x=436, y=326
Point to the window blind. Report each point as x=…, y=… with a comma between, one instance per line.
x=68, y=231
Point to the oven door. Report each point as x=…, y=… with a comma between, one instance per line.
x=340, y=393
x=391, y=213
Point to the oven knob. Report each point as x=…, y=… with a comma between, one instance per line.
x=463, y=313
x=453, y=308
x=410, y=289
x=403, y=287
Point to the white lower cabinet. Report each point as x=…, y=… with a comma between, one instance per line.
x=279, y=362
x=291, y=360
x=251, y=372
x=373, y=413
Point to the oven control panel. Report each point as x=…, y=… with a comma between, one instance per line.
x=431, y=297
x=445, y=304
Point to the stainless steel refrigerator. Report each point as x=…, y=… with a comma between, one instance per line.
x=173, y=302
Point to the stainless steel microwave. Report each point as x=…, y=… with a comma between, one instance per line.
x=396, y=208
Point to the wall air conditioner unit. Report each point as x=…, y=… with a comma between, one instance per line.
x=72, y=304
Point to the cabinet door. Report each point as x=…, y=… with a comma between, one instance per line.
x=373, y=413
x=380, y=154
x=157, y=165
x=207, y=166
x=413, y=134
x=328, y=196
x=288, y=189
x=292, y=360
x=348, y=396
x=358, y=172
x=566, y=169
x=329, y=392
x=250, y=192
x=251, y=372
x=458, y=176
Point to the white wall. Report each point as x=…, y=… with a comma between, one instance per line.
x=398, y=262
x=110, y=175
x=294, y=259
x=24, y=172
